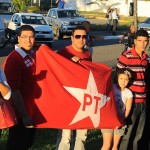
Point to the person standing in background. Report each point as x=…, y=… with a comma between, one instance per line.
x=108, y=16
x=115, y=18
x=60, y=3
x=89, y=42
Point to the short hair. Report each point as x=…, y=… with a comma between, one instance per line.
x=78, y=28
x=85, y=24
x=25, y=28
x=141, y=32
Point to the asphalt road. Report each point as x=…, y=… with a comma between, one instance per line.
x=105, y=51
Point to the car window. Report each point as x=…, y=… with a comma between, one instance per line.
x=39, y=20
x=14, y=18
x=17, y=19
x=54, y=13
x=50, y=13
x=67, y=13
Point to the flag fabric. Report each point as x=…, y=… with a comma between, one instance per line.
x=7, y=115
x=71, y=95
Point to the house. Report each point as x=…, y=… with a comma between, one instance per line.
x=125, y=7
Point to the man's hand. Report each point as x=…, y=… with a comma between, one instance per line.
x=75, y=59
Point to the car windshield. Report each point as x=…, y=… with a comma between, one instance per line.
x=39, y=20
x=67, y=13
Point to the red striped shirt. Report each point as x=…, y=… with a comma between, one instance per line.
x=131, y=60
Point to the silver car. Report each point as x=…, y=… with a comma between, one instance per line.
x=63, y=21
x=145, y=25
x=43, y=32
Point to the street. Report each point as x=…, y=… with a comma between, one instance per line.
x=105, y=51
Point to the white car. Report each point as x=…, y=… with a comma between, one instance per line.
x=43, y=32
x=145, y=25
x=2, y=31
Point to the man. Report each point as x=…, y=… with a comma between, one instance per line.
x=75, y=52
x=130, y=34
x=115, y=18
x=60, y=3
x=89, y=42
x=19, y=68
x=137, y=61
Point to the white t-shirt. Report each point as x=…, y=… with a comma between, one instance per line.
x=121, y=98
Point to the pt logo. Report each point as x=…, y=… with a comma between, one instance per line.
x=91, y=101
x=88, y=100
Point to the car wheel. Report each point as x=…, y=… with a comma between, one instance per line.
x=59, y=35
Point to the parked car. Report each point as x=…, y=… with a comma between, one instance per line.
x=43, y=32
x=63, y=21
x=2, y=31
x=145, y=25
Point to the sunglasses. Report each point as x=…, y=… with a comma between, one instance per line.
x=80, y=36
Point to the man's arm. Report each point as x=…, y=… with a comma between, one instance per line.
x=18, y=100
x=4, y=90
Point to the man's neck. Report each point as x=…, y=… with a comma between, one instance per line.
x=140, y=53
x=78, y=49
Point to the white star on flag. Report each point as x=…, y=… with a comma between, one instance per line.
x=91, y=101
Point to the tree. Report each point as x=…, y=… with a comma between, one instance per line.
x=21, y=5
x=135, y=14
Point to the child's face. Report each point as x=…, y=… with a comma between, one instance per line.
x=132, y=29
x=123, y=80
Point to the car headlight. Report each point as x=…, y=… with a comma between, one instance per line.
x=65, y=22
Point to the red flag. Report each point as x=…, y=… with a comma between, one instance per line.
x=73, y=96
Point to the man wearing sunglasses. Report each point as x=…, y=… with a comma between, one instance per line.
x=74, y=52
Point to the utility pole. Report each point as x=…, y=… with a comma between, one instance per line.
x=135, y=14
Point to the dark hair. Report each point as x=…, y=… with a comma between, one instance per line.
x=122, y=71
x=78, y=28
x=85, y=24
x=25, y=28
x=141, y=32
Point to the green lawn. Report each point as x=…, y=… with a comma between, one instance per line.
x=46, y=140
x=124, y=21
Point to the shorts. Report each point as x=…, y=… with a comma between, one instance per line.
x=120, y=131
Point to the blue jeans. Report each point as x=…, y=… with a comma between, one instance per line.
x=136, y=123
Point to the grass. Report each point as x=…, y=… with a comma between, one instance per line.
x=124, y=21
x=46, y=139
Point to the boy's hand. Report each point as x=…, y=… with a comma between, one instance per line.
x=75, y=59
